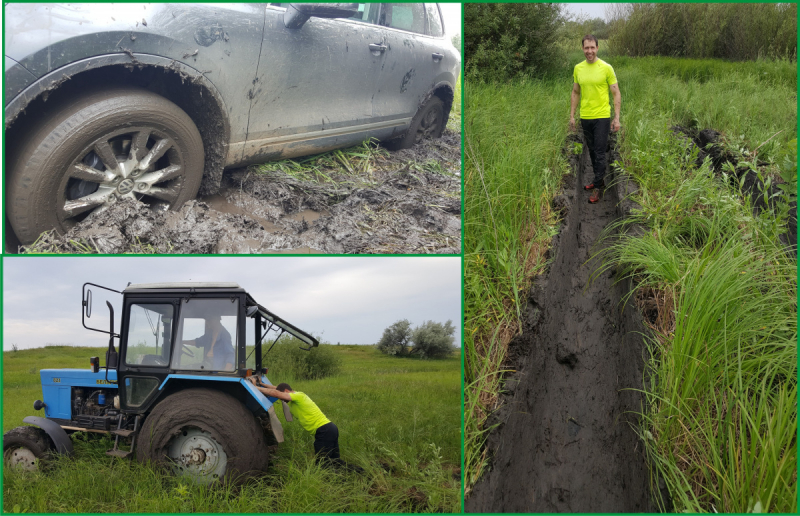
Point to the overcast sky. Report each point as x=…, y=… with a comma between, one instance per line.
x=349, y=299
x=452, y=18
x=588, y=10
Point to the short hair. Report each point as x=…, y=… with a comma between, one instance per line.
x=591, y=37
x=283, y=387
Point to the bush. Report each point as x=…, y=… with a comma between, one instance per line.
x=744, y=31
x=287, y=361
x=396, y=338
x=433, y=340
x=505, y=41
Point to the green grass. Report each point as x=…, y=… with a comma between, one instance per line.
x=729, y=357
x=398, y=418
x=513, y=168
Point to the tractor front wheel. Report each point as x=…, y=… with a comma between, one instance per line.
x=204, y=434
x=26, y=447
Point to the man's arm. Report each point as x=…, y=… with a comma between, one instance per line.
x=275, y=393
x=256, y=380
x=617, y=105
x=575, y=97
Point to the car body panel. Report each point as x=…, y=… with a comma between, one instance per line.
x=208, y=38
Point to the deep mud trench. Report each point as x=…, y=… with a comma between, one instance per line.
x=566, y=440
x=407, y=201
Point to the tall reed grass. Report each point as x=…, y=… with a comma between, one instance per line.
x=721, y=418
x=736, y=31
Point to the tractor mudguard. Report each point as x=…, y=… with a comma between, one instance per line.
x=265, y=402
x=57, y=434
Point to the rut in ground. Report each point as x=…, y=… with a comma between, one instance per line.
x=567, y=440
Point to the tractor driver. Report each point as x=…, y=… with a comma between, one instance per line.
x=216, y=343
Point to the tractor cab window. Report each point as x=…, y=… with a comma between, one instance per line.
x=149, y=335
x=207, y=333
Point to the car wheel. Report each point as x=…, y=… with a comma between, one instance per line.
x=203, y=434
x=428, y=122
x=93, y=151
x=26, y=447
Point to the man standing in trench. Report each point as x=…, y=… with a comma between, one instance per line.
x=593, y=78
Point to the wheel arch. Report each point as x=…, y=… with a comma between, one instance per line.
x=55, y=432
x=177, y=82
x=445, y=92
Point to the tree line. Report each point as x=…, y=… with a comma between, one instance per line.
x=505, y=41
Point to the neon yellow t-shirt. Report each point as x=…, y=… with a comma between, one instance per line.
x=594, y=80
x=306, y=412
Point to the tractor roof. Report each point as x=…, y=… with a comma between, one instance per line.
x=184, y=285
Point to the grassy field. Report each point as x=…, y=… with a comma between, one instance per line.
x=722, y=416
x=398, y=419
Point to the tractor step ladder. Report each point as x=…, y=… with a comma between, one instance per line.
x=121, y=432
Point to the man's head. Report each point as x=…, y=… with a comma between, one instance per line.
x=590, y=45
x=283, y=387
x=213, y=322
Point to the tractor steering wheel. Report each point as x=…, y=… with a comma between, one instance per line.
x=186, y=350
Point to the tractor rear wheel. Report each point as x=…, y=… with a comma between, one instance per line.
x=26, y=447
x=204, y=434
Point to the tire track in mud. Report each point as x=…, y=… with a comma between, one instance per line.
x=566, y=440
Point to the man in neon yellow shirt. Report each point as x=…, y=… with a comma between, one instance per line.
x=310, y=417
x=592, y=80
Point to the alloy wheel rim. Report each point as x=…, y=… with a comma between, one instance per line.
x=140, y=163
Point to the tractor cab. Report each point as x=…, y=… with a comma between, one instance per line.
x=186, y=331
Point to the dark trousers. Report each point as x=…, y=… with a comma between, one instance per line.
x=326, y=442
x=595, y=133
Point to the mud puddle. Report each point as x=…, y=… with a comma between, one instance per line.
x=408, y=201
x=566, y=440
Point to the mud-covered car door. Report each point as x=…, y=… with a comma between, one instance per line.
x=314, y=81
x=420, y=55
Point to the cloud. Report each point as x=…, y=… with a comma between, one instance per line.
x=345, y=299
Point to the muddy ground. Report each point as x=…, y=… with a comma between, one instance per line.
x=567, y=440
x=408, y=201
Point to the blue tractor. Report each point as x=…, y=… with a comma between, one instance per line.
x=176, y=392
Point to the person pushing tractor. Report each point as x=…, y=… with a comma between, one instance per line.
x=313, y=421
x=592, y=80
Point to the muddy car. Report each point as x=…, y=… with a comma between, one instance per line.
x=153, y=101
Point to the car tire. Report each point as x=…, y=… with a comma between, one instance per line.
x=428, y=122
x=91, y=151
x=27, y=448
x=230, y=442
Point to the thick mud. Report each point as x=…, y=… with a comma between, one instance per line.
x=407, y=201
x=567, y=438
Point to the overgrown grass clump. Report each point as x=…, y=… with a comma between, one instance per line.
x=721, y=418
x=398, y=419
